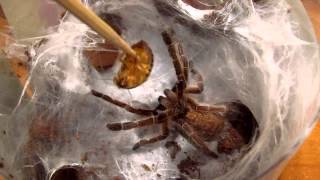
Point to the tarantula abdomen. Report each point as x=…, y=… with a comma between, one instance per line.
x=230, y=142
x=243, y=131
x=242, y=119
x=206, y=125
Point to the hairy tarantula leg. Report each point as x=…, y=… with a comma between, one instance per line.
x=196, y=106
x=171, y=95
x=122, y=104
x=198, y=88
x=164, y=102
x=185, y=67
x=158, y=119
x=179, y=88
x=164, y=134
x=176, y=52
x=195, y=139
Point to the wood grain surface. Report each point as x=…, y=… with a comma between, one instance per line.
x=305, y=165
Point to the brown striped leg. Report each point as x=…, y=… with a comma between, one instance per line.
x=178, y=59
x=122, y=104
x=164, y=134
x=198, y=88
x=165, y=102
x=185, y=67
x=158, y=119
x=195, y=139
x=175, y=50
x=196, y=106
x=172, y=97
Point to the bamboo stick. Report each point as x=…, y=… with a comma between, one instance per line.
x=96, y=23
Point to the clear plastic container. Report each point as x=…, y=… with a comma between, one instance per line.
x=264, y=55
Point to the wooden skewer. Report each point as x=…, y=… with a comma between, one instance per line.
x=97, y=24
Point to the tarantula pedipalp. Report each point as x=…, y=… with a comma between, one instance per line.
x=197, y=123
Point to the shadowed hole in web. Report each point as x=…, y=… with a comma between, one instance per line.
x=68, y=173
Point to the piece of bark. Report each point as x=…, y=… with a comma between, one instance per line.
x=18, y=66
x=104, y=55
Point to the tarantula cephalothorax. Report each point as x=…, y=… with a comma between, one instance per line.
x=197, y=123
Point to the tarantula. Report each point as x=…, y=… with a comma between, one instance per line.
x=197, y=123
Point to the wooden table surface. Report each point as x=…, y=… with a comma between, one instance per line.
x=305, y=165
